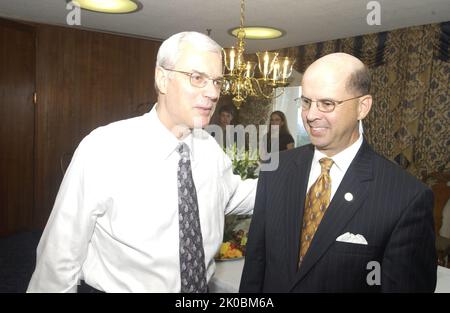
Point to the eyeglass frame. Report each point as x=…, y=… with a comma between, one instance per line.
x=205, y=76
x=335, y=102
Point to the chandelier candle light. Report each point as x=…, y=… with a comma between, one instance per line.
x=239, y=76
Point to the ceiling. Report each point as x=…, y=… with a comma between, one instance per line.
x=304, y=21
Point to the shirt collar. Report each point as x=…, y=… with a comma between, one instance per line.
x=343, y=159
x=163, y=141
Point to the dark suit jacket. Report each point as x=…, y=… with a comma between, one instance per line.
x=390, y=208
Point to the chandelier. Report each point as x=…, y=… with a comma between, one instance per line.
x=239, y=76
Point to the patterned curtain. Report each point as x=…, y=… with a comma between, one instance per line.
x=410, y=69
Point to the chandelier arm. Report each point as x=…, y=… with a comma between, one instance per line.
x=281, y=93
x=261, y=92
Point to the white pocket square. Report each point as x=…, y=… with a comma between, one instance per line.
x=352, y=238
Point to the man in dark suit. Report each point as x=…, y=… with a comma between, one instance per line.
x=335, y=216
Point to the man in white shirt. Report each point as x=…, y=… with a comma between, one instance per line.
x=335, y=216
x=115, y=224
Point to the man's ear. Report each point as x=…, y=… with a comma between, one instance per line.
x=365, y=104
x=161, y=80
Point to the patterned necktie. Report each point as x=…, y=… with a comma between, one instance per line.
x=316, y=203
x=192, y=255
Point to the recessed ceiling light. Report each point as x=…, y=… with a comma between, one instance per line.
x=256, y=32
x=109, y=6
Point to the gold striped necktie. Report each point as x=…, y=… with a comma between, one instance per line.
x=316, y=203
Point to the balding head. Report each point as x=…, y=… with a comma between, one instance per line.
x=342, y=68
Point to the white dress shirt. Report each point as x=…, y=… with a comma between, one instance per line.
x=342, y=161
x=115, y=219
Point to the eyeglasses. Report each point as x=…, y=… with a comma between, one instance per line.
x=324, y=105
x=200, y=80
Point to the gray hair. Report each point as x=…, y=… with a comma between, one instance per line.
x=359, y=81
x=170, y=49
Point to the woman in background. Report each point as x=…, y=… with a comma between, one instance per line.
x=281, y=133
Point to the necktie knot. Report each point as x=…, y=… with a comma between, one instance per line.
x=183, y=150
x=326, y=164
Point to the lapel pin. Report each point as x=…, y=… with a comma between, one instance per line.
x=348, y=196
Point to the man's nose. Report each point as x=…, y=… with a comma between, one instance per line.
x=313, y=112
x=211, y=91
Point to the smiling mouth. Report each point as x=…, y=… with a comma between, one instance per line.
x=317, y=130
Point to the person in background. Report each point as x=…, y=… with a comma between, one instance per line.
x=226, y=116
x=280, y=133
x=336, y=216
x=278, y=137
x=141, y=207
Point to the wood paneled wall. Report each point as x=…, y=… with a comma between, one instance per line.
x=84, y=80
x=17, y=85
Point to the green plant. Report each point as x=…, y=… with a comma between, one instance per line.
x=245, y=163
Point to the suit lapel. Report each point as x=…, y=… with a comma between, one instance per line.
x=340, y=210
x=297, y=183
